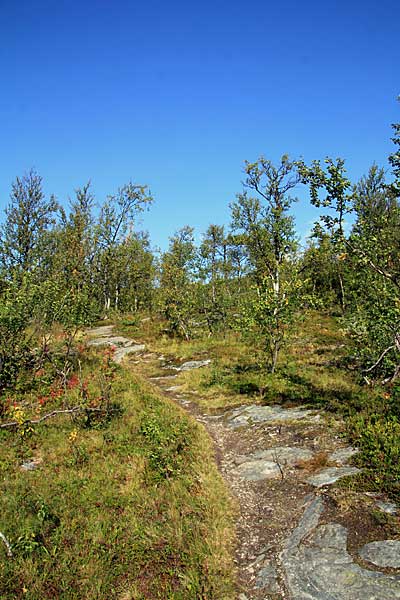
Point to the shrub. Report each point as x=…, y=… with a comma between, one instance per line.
x=379, y=441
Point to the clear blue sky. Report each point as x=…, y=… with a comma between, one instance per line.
x=178, y=94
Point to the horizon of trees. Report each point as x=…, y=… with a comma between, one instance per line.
x=74, y=265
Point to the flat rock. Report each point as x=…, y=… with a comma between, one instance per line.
x=112, y=340
x=102, y=336
x=343, y=455
x=385, y=553
x=193, y=364
x=330, y=475
x=257, y=470
x=120, y=353
x=317, y=565
x=248, y=415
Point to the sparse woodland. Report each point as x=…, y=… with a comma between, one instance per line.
x=249, y=288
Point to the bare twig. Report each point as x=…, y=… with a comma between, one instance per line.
x=278, y=463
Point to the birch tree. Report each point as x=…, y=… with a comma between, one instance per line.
x=266, y=230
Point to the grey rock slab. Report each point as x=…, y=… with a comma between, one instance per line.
x=343, y=455
x=317, y=565
x=257, y=470
x=284, y=454
x=248, y=415
x=308, y=522
x=385, y=553
x=330, y=475
x=193, y=364
x=114, y=340
x=120, y=353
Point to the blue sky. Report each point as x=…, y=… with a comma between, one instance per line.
x=177, y=95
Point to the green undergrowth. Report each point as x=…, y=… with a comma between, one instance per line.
x=314, y=371
x=130, y=507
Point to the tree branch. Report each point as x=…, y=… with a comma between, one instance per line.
x=380, y=359
x=53, y=413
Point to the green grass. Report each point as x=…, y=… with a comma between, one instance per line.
x=130, y=508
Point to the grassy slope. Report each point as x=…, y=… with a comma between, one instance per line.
x=131, y=510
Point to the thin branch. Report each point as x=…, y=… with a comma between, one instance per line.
x=374, y=267
x=393, y=377
x=379, y=359
x=53, y=413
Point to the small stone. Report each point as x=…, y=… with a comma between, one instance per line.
x=382, y=554
x=31, y=465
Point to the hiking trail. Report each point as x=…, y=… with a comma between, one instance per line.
x=298, y=538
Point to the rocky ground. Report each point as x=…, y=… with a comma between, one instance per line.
x=300, y=536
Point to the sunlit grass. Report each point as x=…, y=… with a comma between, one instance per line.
x=107, y=514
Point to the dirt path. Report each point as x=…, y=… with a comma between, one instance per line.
x=298, y=538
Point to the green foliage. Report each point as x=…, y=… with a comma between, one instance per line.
x=116, y=218
x=394, y=160
x=268, y=317
x=322, y=273
x=214, y=292
x=379, y=442
x=166, y=443
x=16, y=311
x=177, y=289
x=267, y=231
x=28, y=216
